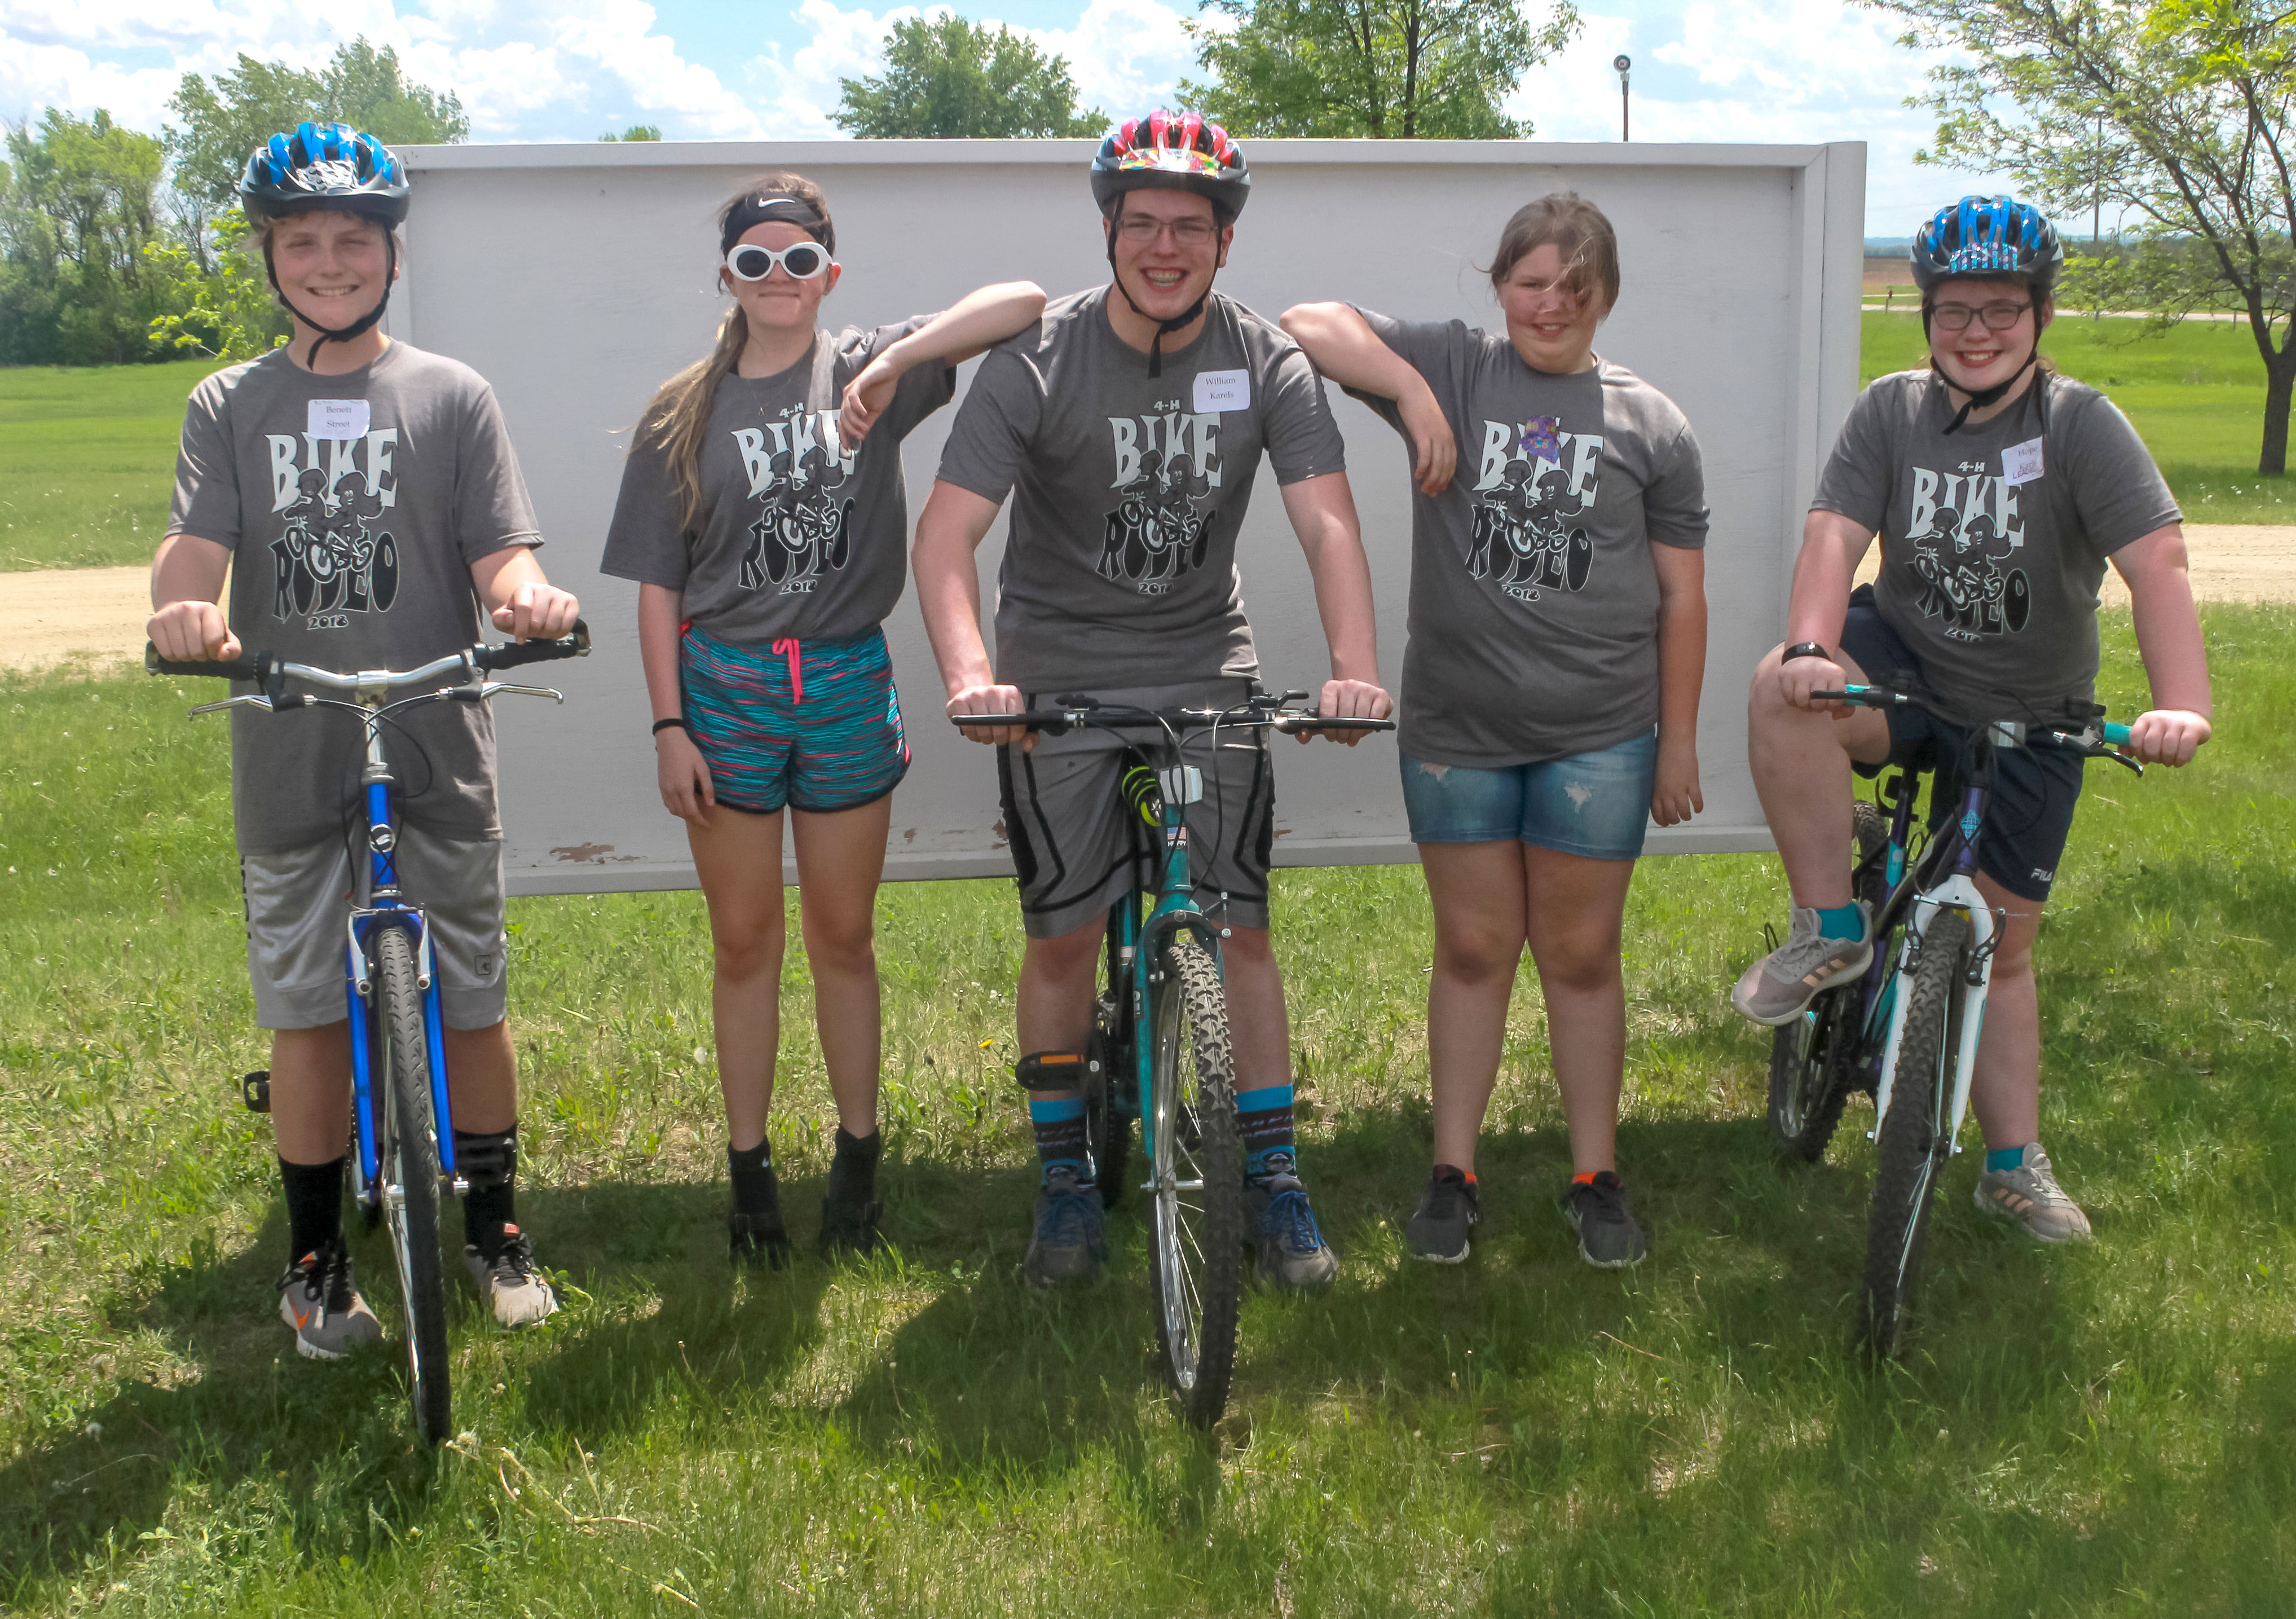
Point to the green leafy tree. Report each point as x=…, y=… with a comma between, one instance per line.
x=946, y=79
x=1406, y=68
x=78, y=204
x=636, y=132
x=227, y=313
x=2175, y=114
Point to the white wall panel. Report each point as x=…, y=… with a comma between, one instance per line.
x=575, y=278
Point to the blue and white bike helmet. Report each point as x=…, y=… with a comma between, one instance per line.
x=1989, y=236
x=327, y=168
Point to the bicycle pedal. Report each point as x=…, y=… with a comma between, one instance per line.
x=255, y=1091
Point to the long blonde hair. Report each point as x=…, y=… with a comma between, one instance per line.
x=679, y=418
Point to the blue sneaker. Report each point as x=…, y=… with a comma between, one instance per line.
x=1286, y=1242
x=1067, y=1244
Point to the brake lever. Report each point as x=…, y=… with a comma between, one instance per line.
x=2123, y=759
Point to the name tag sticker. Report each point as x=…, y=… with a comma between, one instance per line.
x=1217, y=390
x=338, y=419
x=2022, y=463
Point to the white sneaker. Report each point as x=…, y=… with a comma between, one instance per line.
x=2028, y=1196
x=510, y=1287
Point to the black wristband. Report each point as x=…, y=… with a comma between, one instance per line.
x=1805, y=649
x=660, y=726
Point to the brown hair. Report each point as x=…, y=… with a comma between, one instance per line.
x=1579, y=230
x=679, y=415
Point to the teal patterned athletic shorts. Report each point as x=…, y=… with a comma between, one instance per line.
x=815, y=724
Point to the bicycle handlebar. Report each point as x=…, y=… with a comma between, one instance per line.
x=481, y=658
x=2068, y=731
x=1059, y=721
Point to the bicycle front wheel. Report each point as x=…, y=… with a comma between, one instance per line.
x=1916, y=1138
x=1810, y=1057
x=1196, y=1182
x=410, y=1176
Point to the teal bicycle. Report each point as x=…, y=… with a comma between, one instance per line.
x=1159, y=1053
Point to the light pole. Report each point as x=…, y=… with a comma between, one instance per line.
x=1622, y=63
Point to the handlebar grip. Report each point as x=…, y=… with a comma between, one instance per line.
x=238, y=669
x=511, y=654
x=2116, y=736
x=1053, y=720
x=1291, y=723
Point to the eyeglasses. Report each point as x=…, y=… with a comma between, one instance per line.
x=804, y=260
x=1141, y=229
x=1997, y=317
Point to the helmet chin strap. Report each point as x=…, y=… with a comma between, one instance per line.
x=1156, y=343
x=338, y=334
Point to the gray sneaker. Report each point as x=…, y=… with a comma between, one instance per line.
x=1066, y=1244
x=2029, y=1196
x=1286, y=1242
x=1448, y=1209
x=318, y=1299
x=1609, y=1240
x=1779, y=987
x=508, y=1285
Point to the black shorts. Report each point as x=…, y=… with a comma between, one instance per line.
x=2034, y=789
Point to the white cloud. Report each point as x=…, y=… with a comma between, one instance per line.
x=1125, y=56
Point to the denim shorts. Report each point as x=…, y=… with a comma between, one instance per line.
x=1594, y=804
x=815, y=724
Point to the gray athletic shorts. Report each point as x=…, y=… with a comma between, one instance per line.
x=1077, y=847
x=296, y=936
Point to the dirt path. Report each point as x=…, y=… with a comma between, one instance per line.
x=95, y=615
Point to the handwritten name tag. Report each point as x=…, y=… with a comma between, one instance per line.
x=2022, y=463
x=338, y=419
x=1217, y=390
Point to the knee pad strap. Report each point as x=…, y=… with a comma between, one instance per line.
x=486, y=1160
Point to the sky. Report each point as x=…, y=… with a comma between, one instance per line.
x=1760, y=70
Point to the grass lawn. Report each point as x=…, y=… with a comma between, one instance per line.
x=87, y=456
x=2101, y=1430
x=2195, y=392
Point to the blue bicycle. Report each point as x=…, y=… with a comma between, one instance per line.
x=1906, y=1031
x=1162, y=976
x=400, y=1157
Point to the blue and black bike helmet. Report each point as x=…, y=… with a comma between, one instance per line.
x=1168, y=152
x=1998, y=238
x=326, y=168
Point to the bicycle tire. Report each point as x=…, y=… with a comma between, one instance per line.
x=1810, y=1057
x=410, y=1174
x=1195, y=1270
x=1914, y=1141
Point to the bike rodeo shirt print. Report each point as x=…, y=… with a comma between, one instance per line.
x=1534, y=601
x=354, y=506
x=1994, y=538
x=796, y=537
x=1128, y=490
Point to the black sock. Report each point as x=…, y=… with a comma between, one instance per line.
x=315, y=1206
x=752, y=1170
x=853, y=1173
x=488, y=1161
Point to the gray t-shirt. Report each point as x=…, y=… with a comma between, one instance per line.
x=1534, y=599
x=796, y=537
x=1994, y=540
x=1120, y=569
x=354, y=506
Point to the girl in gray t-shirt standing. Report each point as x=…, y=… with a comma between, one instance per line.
x=763, y=517
x=1550, y=691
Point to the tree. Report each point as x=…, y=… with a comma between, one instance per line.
x=1410, y=68
x=2175, y=112
x=78, y=204
x=636, y=132
x=946, y=79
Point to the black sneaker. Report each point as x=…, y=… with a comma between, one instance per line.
x=1608, y=1237
x=1287, y=1243
x=1448, y=1209
x=1067, y=1244
x=758, y=1240
x=851, y=1228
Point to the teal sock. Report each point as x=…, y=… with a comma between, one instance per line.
x=1842, y=922
x=1998, y=1159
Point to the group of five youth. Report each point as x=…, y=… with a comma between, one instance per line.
x=1552, y=676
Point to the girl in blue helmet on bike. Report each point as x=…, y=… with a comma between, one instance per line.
x=2000, y=491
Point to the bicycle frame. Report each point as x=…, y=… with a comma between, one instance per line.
x=377, y=904
x=1140, y=941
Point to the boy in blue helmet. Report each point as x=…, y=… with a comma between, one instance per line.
x=1129, y=425
x=364, y=499
x=1999, y=491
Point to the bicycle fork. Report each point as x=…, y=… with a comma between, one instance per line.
x=1957, y=892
